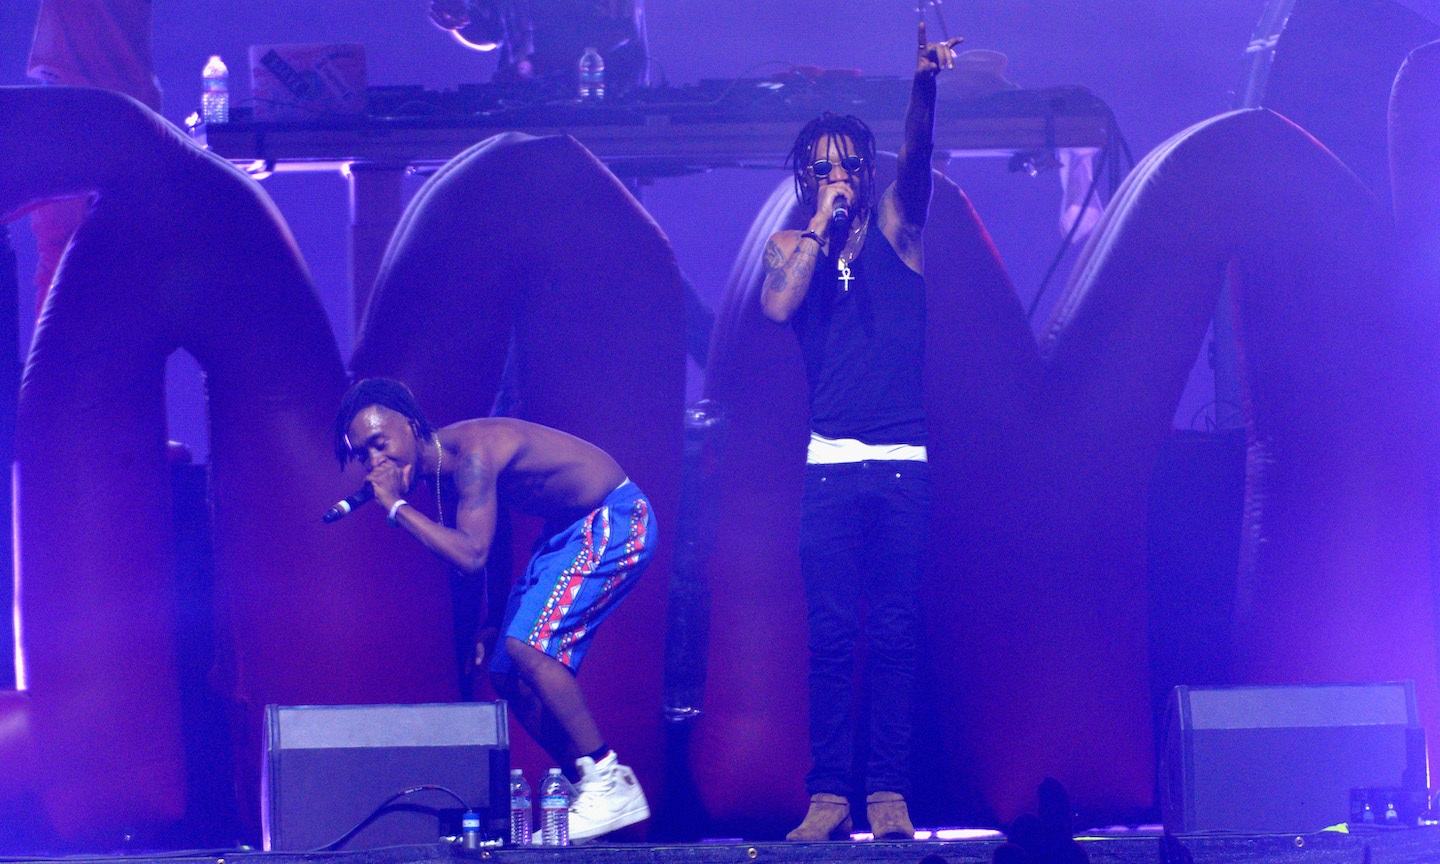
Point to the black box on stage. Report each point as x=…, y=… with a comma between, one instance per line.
x=1285, y=759
x=328, y=767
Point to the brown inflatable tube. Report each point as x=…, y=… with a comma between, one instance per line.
x=1040, y=461
x=183, y=251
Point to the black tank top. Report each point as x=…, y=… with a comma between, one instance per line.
x=864, y=346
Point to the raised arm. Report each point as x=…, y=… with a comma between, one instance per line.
x=912, y=181
x=467, y=545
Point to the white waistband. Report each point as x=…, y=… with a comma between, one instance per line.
x=831, y=451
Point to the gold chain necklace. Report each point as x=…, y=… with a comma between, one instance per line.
x=859, y=240
x=439, y=454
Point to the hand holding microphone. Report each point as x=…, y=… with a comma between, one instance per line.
x=344, y=506
x=832, y=207
x=390, y=479
x=831, y=221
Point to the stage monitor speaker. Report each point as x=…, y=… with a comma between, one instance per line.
x=329, y=767
x=1286, y=759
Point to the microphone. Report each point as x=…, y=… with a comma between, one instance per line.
x=840, y=213
x=344, y=507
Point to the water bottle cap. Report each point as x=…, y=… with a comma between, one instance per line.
x=555, y=771
x=516, y=772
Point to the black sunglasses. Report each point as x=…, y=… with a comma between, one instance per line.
x=851, y=164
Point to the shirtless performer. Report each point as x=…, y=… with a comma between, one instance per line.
x=600, y=535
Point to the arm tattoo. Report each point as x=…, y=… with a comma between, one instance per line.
x=774, y=258
x=781, y=277
x=474, y=483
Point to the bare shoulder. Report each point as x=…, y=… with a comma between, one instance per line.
x=511, y=431
x=507, y=441
x=487, y=443
x=482, y=431
x=902, y=234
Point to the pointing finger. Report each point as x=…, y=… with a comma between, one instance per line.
x=922, y=33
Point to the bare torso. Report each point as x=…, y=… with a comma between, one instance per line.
x=533, y=468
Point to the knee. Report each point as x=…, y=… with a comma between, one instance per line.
x=833, y=648
x=897, y=626
x=891, y=653
x=833, y=635
x=832, y=615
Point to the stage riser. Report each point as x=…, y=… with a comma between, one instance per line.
x=1407, y=846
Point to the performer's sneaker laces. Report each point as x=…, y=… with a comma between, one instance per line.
x=608, y=797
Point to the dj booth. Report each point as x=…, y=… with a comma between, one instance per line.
x=652, y=132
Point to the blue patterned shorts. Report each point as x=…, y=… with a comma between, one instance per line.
x=577, y=576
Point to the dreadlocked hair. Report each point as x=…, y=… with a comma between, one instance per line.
x=829, y=125
x=376, y=391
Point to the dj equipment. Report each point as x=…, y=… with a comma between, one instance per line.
x=328, y=768
x=656, y=132
x=647, y=133
x=1285, y=759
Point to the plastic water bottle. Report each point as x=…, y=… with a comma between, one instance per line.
x=521, y=819
x=215, y=91
x=555, y=795
x=470, y=829
x=592, y=76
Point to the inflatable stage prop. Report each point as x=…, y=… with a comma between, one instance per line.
x=181, y=250
x=1036, y=606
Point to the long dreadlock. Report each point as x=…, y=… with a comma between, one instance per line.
x=825, y=126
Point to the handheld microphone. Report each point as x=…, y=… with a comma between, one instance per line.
x=840, y=213
x=344, y=507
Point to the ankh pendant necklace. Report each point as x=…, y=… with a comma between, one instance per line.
x=843, y=264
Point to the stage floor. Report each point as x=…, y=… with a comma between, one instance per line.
x=1395, y=846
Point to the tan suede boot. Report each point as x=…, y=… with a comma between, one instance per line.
x=889, y=817
x=827, y=819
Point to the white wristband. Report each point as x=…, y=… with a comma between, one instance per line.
x=393, y=509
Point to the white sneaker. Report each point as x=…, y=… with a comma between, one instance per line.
x=607, y=798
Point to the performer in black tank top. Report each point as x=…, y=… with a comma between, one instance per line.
x=854, y=292
x=870, y=319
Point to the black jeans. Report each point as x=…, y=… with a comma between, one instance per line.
x=863, y=528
